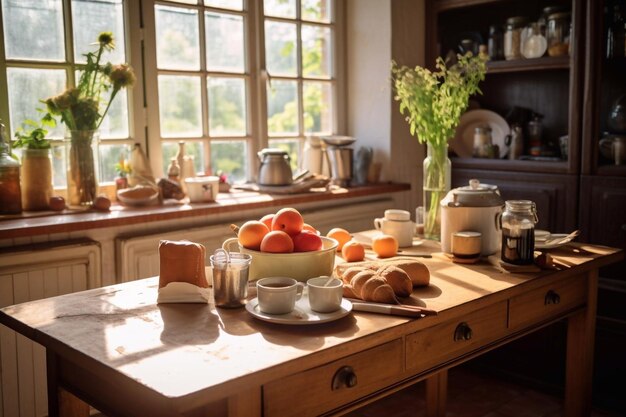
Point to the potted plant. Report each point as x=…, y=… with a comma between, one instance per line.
x=433, y=102
x=80, y=108
x=123, y=170
x=36, y=175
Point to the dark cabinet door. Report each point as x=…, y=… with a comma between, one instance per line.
x=556, y=196
x=603, y=217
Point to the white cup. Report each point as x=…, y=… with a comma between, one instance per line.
x=325, y=294
x=278, y=295
x=398, y=224
x=202, y=189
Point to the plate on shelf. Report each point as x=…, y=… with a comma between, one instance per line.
x=463, y=141
x=301, y=314
x=336, y=140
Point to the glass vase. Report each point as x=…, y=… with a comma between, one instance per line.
x=437, y=168
x=82, y=167
x=36, y=179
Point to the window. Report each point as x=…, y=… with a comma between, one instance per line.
x=42, y=56
x=227, y=77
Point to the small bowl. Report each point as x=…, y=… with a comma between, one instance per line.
x=298, y=265
x=138, y=196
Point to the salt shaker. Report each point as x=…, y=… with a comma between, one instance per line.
x=518, y=232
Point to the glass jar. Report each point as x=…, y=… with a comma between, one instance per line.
x=10, y=190
x=534, y=45
x=513, y=37
x=558, y=34
x=495, y=45
x=518, y=232
x=482, y=141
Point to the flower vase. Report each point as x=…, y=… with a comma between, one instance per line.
x=82, y=167
x=437, y=169
x=36, y=179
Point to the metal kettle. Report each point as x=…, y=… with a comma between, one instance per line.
x=275, y=168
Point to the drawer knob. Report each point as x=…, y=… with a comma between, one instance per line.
x=462, y=332
x=552, y=298
x=344, y=377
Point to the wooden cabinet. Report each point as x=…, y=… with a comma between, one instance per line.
x=576, y=95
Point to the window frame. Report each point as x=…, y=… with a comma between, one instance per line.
x=255, y=73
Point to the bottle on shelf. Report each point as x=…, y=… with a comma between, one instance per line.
x=616, y=44
x=10, y=190
x=495, y=44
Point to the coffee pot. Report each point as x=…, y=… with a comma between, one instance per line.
x=275, y=168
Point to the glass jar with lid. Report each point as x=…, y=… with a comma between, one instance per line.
x=518, y=232
x=513, y=37
x=495, y=45
x=559, y=33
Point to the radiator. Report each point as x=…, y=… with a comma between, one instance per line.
x=30, y=273
x=138, y=256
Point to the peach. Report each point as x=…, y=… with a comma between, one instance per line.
x=267, y=219
x=251, y=234
x=340, y=235
x=277, y=241
x=306, y=241
x=288, y=220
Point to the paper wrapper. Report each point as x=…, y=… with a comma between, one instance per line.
x=182, y=272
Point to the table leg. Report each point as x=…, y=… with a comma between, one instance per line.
x=436, y=392
x=61, y=403
x=579, y=362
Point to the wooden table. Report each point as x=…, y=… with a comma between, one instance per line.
x=119, y=351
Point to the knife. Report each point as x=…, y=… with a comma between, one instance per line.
x=391, y=309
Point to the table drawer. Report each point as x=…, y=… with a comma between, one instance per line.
x=441, y=343
x=547, y=302
x=311, y=392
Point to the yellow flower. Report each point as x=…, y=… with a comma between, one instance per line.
x=106, y=40
x=122, y=76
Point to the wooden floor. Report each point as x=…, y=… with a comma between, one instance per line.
x=471, y=394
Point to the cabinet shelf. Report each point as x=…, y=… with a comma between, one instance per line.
x=523, y=65
x=557, y=167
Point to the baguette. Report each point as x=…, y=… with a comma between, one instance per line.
x=397, y=279
x=378, y=290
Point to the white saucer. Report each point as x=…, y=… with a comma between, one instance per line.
x=302, y=313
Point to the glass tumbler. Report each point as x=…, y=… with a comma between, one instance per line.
x=230, y=278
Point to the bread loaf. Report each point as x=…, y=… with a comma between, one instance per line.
x=417, y=271
x=377, y=289
x=182, y=261
x=397, y=279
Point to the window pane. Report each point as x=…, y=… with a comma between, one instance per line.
x=224, y=42
x=185, y=1
x=280, y=8
x=194, y=150
x=316, y=48
x=317, y=107
x=227, y=107
x=90, y=18
x=280, y=48
x=28, y=86
x=230, y=157
x=33, y=29
x=177, y=38
x=316, y=10
x=115, y=123
x=282, y=108
x=110, y=155
x=291, y=146
x=180, y=106
x=225, y=4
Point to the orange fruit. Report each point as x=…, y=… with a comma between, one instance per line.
x=340, y=235
x=267, y=219
x=251, y=234
x=353, y=251
x=288, y=220
x=385, y=246
x=277, y=241
x=308, y=228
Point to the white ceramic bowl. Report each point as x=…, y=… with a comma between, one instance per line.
x=298, y=265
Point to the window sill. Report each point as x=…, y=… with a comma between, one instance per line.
x=46, y=222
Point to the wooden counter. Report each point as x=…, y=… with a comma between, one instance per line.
x=34, y=223
x=116, y=349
